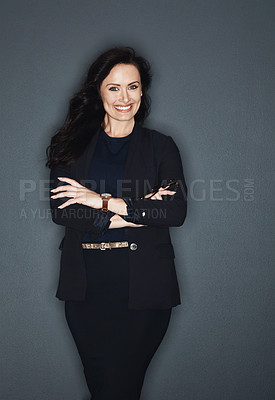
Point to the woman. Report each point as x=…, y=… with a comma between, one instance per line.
x=110, y=189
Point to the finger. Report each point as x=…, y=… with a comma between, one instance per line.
x=152, y=197
x=158, y=196
x=63, y=188
x=163, y=188
x=67, y=203
x=168, y=192
x=70, y=181
x=65, y=194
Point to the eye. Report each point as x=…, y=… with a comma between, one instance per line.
x=132, y=87
x=113, y=88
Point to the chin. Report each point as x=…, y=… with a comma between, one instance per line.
x=124, y=117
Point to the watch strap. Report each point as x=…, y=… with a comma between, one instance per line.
x=105, y=201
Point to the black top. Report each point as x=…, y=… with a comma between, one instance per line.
x=106, y=173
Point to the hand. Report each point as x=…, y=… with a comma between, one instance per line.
x=161, y=192
x=80, y=194
x=118, y=222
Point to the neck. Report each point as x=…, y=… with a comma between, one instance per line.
x=116, y=128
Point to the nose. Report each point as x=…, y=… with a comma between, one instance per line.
x=124, y=95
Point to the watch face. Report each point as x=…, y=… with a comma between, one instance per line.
x=106, y=195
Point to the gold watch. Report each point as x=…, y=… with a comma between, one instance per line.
x=105, y=198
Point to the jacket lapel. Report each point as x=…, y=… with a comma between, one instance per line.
x=139, y=173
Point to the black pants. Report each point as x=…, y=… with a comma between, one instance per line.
x=116, y=344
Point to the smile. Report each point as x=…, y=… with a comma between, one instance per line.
x=123, y=108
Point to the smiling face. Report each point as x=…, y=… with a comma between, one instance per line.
x=121, y=92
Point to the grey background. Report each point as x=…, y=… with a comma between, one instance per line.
x=213, y=91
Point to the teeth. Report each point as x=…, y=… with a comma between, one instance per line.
x=123, y=108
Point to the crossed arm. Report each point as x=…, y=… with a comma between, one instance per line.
x=79, y=194
x=123, y=212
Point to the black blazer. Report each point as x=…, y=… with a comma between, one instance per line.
x=152, y=159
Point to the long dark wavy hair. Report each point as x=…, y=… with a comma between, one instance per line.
x=86, y=112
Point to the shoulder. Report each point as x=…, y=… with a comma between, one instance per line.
x=156, y=135
x=160, y=140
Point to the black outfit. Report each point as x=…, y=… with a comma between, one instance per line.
x=152, y=158
x=118, y=302
x=115, y=343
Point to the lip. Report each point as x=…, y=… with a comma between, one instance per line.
x=123, y=111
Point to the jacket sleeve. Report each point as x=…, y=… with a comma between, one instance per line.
x=171, y=210
x=77, y=216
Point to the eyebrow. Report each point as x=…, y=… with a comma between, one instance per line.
x=116, y=84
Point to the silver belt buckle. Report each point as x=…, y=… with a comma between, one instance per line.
x=101, y=246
